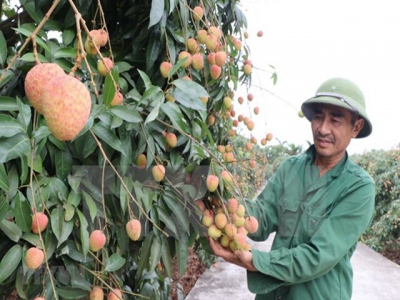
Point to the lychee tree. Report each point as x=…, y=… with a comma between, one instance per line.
x=105, y=209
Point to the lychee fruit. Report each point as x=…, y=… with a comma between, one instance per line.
x=96, y=293
x=198, y=13
x=141, y=161
x=247, y=69
x=220, y=220
x=227, y=177
x=215, y=31
x=134, y=229
x=240, y=241
x=212, y=182
x=208, y=218
x=220, y=58
x=36, y=79
x=240, y=210
x=104, y=67
x=192, y=45
x=104, y=37
x=230, y=230
x=260, y=33
x=171, y=139
x=214, y=232
x=202, y=36
x=188, y=56
x=118, y=99
x=232, y=205
x=210, y=120
x=215, y=71
x=114, y=294
x=225, y=240
x=211, y=42
x=158, y=172
x=227, y=102
x=165, y=67
x=198, y=61
x=34, y=258
x=97, y=240
x=39, y=222
x=251, y=224
x=66, y=105
x=269, y=137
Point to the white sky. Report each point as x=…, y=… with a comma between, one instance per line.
x=309, y=41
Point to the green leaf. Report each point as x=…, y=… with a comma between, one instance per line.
x=154, y=113
x=36, y=15
x=61, y=229
x=115, y=262
x=155, y=253
x=123, y=66
x=182, y=253
x=174, y=113
x=3, y=179
x=11, y=230
x=25, y=115
x=144, y=254
x=108, y=136
x=65, y=52
x=178, y=213
x=39, y=40
x=166, y=256
x=91, y=205
x=23, y=213
x=157, y=10
x=83, y=224
x=9, y=126
x=109, y=86
x=153, y=49
x=4, y=207
x=146, y=79
x=29, y=57
x=71, y=293
x=10, y=262
x=63, y=163
x=13, y=147
x=167, y=220
x=68, y=36
x=126, y=113
x=8, y=104
x=188, y=92
x=3, y=49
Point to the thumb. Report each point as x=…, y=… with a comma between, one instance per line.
x=244, y=255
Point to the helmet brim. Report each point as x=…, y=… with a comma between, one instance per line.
x=307, y=109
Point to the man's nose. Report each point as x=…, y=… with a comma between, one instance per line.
x=324, y=127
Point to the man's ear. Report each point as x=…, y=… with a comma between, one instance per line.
x=358, y=125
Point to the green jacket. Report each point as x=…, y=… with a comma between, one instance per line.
x=318, y=222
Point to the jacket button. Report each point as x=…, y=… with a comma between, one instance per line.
x=313, y=222
x=279, y=297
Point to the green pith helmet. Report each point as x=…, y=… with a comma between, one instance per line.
x=344, y=93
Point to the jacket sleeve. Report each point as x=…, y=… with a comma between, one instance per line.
x=338, y=233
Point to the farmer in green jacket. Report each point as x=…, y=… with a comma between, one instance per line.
x=318, y=204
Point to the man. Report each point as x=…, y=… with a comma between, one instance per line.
x=318, y=203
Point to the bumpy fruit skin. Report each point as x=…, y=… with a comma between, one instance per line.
x=188, y=60
x=34, y=258
x=39, y=298
x=89, y=47
x=114, y=294
x=165, y=67
x=104, y=37
x=66, y=106
x=36, y=79
x=232, y=205
x=220, y=58
x=141, y=161
x=102, y=68
x=134, y=229
x=215, y=71
x=198, y=13
x=171, y=139
x=240, y=241
x=247, y=69
x=158, y=172
x=212, y=182
x=214, y=232
x=118, y=99
x=230, y=230
x=198, y=61
x=97, y=240
x=96, y=293
x=40, y=218
x=202, y=36
x=192, y=45
x=251, y=224
x=220, y=220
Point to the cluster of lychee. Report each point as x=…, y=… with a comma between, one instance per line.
x=34, y=256
x=226, y=221
x=207, y=46
x=62, y=99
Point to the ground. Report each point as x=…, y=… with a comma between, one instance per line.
x=193, y=271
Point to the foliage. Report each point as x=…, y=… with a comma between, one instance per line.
x=93, y=181
x=384, y=168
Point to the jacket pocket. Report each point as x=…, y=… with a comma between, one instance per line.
x=315, y=217
x=289, y=214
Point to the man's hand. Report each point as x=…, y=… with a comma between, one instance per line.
x=242, y=258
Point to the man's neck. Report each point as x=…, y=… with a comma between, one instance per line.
x=325, y=164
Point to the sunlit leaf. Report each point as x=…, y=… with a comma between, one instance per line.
x=157, y=10
x=114, y=262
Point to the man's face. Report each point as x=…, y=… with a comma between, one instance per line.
x=332, y=130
